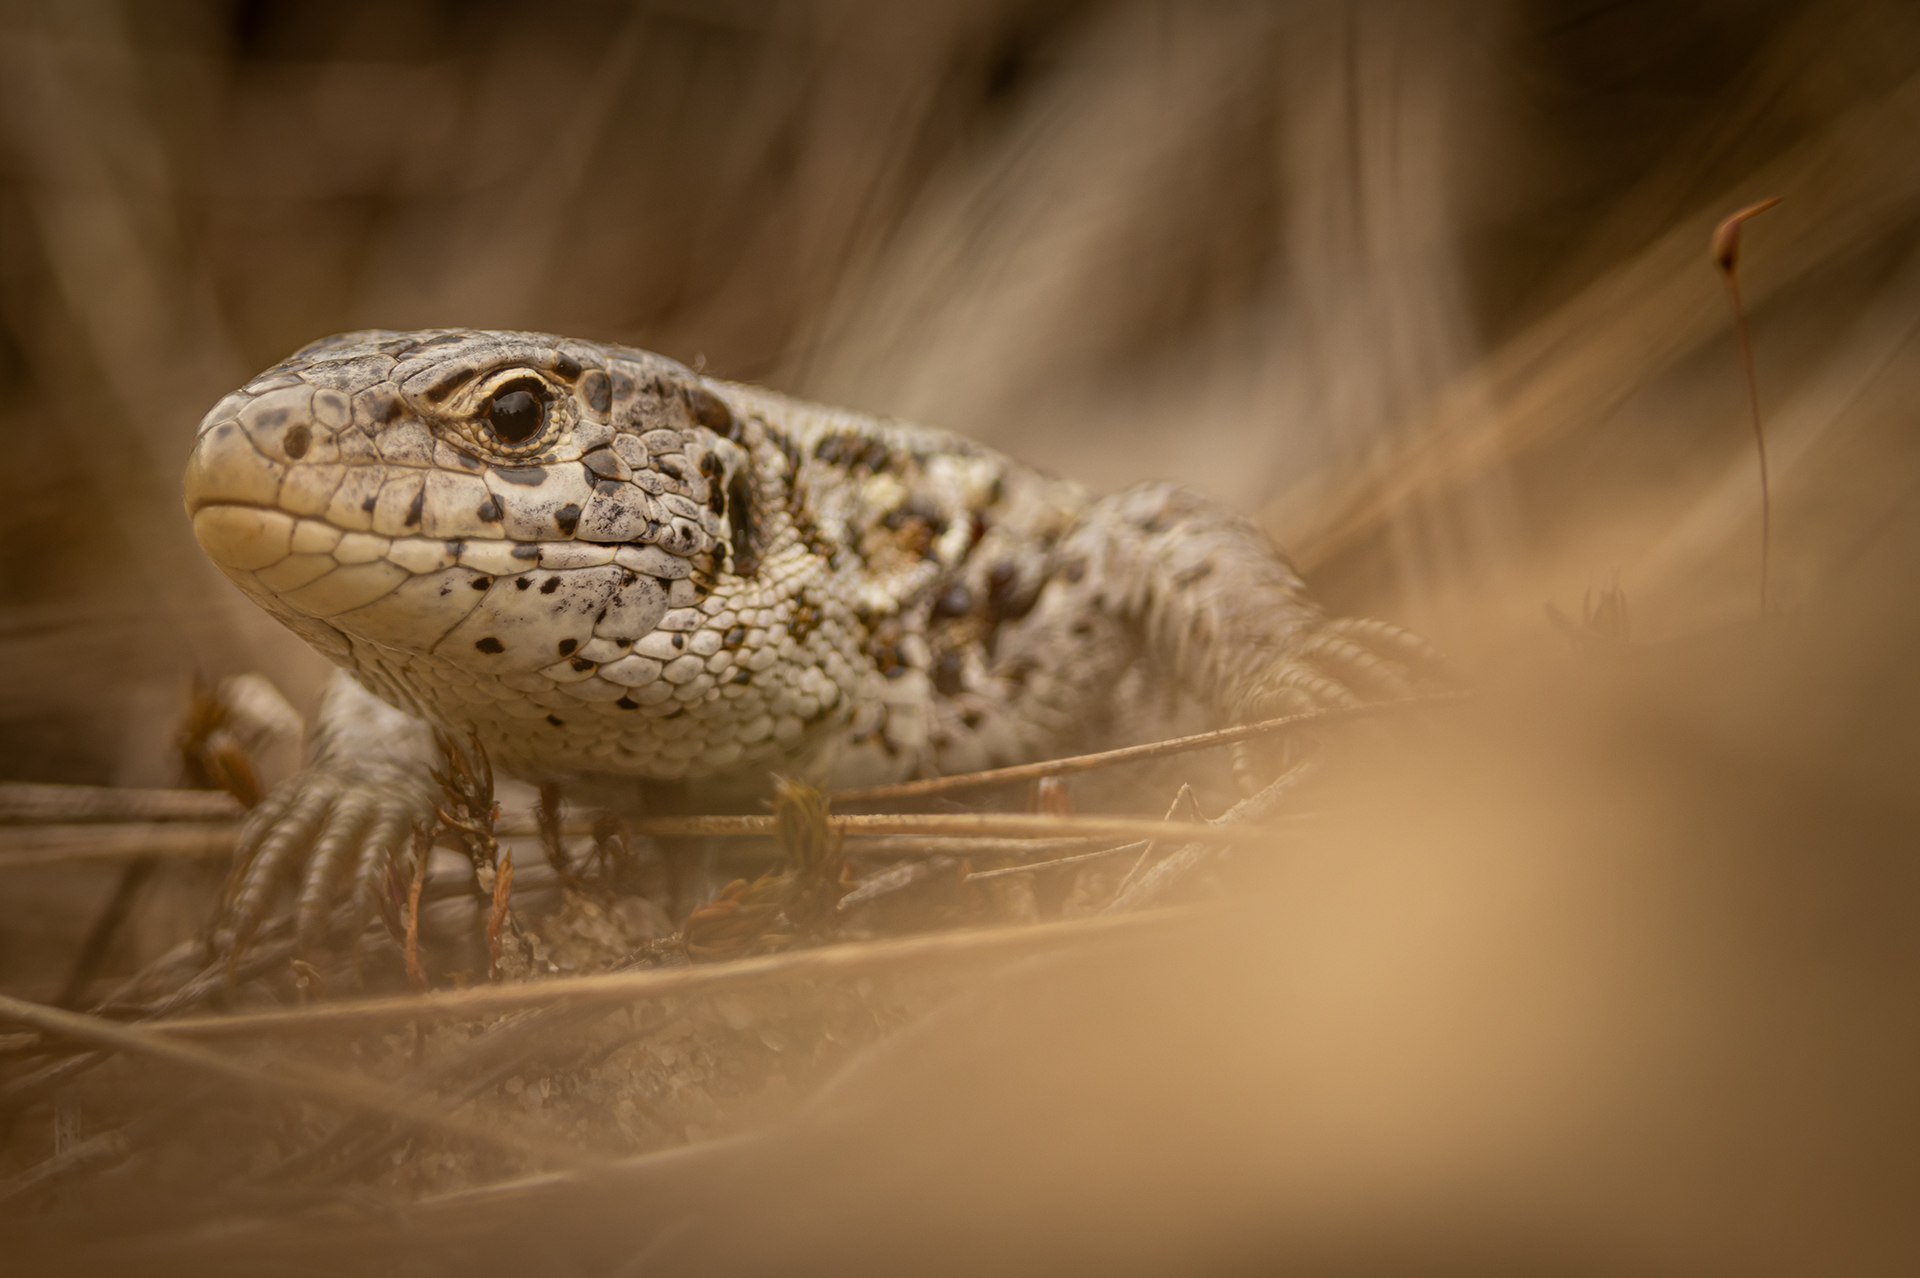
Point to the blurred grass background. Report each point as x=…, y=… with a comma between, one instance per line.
x=1421, y=284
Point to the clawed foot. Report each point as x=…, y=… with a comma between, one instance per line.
x=330, y=829
x=1347, y=663
x=1337, y=665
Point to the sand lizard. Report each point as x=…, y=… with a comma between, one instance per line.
x=611, y=567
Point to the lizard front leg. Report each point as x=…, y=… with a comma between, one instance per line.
x=336, y=821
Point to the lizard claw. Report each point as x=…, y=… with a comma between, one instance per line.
x=329, y=825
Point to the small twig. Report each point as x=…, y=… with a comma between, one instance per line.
x=896, y=878
x=33, y=846
x=1724, y=248
x=933, y=846
x=990, y=824
x=1148, y=886
x=502, y=888
x=25, y=803
x=1185, y=808
x=1035, y=866
x=1132, y=754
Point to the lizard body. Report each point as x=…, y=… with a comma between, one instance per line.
x=609, y=567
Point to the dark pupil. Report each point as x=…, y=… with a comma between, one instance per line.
x=515, y=416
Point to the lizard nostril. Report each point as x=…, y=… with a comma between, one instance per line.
x=296, y=441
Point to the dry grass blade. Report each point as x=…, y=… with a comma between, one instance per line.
x=851, y=959
x=1033, y=867
x=35, y=846
x=927, y=846
x=1148, y=885
x=1133, y=754
x=287, y=1079
x=25, y=803
x=1001, y=825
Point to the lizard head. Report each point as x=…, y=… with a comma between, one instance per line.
x=496, y=504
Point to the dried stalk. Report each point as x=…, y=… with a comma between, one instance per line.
x=851, y=959
x=1149, y=885
x=24, y=803
x=1000, y=825
x=928, y=846
x=73, y=843
x=1033, y=867
x=33, y=846
x=287, y=1078
x=1133, y=754
x=1724, y=248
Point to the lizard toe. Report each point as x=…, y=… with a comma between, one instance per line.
x=324, y=827
x=336, y=849
x=1356, y=666
x=1419, y=658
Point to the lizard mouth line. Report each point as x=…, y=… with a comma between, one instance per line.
x=523, y=600
x=259, y=539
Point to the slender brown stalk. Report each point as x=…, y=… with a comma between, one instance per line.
x=25, y=847
x=1134, y=754
x=1034, y=867
x=27, y=803
x=286, y=1078
x=1724, y=248
x=989, y=824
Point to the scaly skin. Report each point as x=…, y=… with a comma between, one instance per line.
x=611, y=568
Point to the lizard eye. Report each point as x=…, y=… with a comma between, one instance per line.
x=517, y=412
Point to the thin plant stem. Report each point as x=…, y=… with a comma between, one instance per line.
x=1724, y=249
x=1759, y=433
